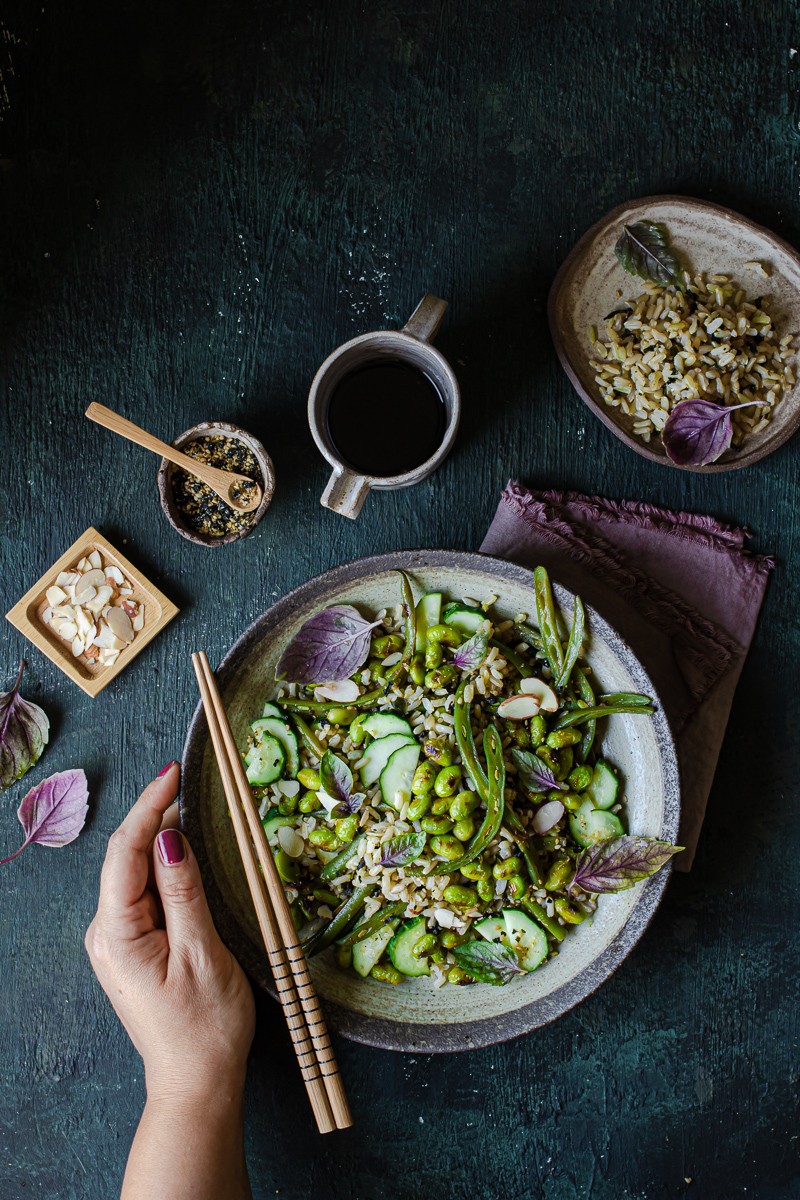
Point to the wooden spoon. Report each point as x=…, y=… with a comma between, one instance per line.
x=238, y=491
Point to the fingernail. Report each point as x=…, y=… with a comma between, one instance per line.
x=171, y=847
x=172, y=763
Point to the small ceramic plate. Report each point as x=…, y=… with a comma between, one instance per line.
x=415, y=1016
x=708, y=238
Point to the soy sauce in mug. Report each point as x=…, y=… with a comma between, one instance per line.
x=386, y=418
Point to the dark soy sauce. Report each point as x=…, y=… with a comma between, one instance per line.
x=386, y=418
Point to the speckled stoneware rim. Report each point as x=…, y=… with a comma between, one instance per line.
x=409, y=1036
x=209, y=429
x=561, y=330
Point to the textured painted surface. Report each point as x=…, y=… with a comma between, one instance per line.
x=199, y=202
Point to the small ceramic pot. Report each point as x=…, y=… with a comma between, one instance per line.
x=208, y=429
x=347, y=488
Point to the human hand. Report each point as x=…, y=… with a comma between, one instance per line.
x=181, y=995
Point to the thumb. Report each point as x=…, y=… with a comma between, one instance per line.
x=186, y=912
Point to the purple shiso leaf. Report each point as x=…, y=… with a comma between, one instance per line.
x=336, y=794
x=470, y=655
x=328, y=647
x=618, y=863
x=54, y=812
x=535, y=775
x=400, y=851
x=24, y=731
x=697, y=432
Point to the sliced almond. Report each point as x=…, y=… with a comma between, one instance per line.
x=120, y=624
x=67, y=630
x=56, y=595
x=83, y=565
x=115, y=574
x=548, y=700
x=518, y=708
x=64, y=612
x=290, y=841
x=92, y=579
x=98, y=602
x=95, y=559
x=65, y=578
x=547, y=816
x=85, y=625
x=108, y=657
x=78, y=646
x=125, y=590
x=92, y=653
x=104, y=638
x=444, y=917
x=85, y=596
x=138, y=621
x=47, y=616
x=130, y=608
x=343, y=691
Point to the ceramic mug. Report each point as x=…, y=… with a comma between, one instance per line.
x=347, y=488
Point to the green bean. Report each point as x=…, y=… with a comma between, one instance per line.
x=577, y=716
x=308, y=737
x=419, y=807
x=340, y=923
x=424, y=779
x=447, y=848
x=586, y=693
x=466, y=744
x=325, y=896
x=298, y=704
x=506, y=867
x=410, y=618
x=447, y=635
x=337, y=864
x=549, y=923
x=568, y=912
x=517, y=661
x=538, y=728
x=436, y=825
x=524, y=633
x=309, y=779
x=447, y=781
x=463, y=805
x=462, y=897
x=579, y=778
x=547, y=621
x=366, y=928
x=625, y=698
x=464, y=829
x=386, y=973
x=574, y=645
x=560, y=738
x=495, y=802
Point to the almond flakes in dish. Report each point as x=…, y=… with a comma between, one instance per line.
x=92, y=608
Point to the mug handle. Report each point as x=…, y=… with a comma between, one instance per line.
x=345, y=493
x=426, y=318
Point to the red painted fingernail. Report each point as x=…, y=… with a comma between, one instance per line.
x=173, y=762
x=171, y=847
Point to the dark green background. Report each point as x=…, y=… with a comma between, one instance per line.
x=199, y=202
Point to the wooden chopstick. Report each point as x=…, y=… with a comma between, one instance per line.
x=283, y=939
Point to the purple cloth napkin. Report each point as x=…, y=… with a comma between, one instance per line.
x=681, y=589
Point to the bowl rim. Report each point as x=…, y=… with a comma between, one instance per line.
x=745, y=457
x=164, y=481
x=414, y=1037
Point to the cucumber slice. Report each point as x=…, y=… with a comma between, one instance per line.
x=272, y=710
x=429, y=612
x=265, y=761
x=403, y=943
x=601, y=826
x=397, y=775
x=278, y=729
x=578, y=824
x=524, y=935
x=381, y=724
x=271, y=826
x=602, y=791
x=465, y=620
x=378, y=753
x=367, y=953
x=493, y=929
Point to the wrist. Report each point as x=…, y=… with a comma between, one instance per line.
x=199, y=1088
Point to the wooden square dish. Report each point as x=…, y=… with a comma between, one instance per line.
x=28, y=614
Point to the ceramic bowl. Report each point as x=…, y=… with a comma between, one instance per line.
x=208, y=429
x=708, y=238
x=415, y=1016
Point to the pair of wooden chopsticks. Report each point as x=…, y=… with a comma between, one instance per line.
x=289, y=968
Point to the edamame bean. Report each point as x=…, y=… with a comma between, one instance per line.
x=309, y=802
x=288, y=806
x=326, y=839
x=417, y=670
x=436, y=826
x=340, y=715
x=507, y=867
x=538, y=730
x=580, y=778
x=383, y=646
x=571, y=800
x=424, y=778
x=446, y=634
x=440, y=676
x=309, y=779
x=456, y=975
x=548, y=756
x=346, y=828
x=357, y=730
x=433, y=655
x=386, y=973
x=568, y=912
x=288, y=868
x=521, y=737
x=450, y=939
x=485, y=889
x=419, y=807
x=566, y=758
x=558, y=874
x=438, y=751
x=447, y=781
x=425, y=944
x=437, y=956
x=464, y=829
x=516, y=887
x=560, y=738
x=463, y=897
x=448, y=848
x=344, y=956
x=440, y=806
x=477, y=869
x=463, y=805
